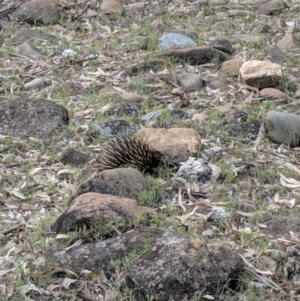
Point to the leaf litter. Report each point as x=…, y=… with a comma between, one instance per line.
x=28, y=198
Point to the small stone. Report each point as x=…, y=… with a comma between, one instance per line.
x=283, y=127
x=30, y=51
x=175, y=40
x=272, y=93
x=231, y=67
x=112, y=7
x=261, y=74
x=190, y=82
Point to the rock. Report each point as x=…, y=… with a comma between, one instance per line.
x=261, y=74
x=113, y=128
x=231, y=67
x=272, y=93
x=95, y=208
x=191, y=82
x=172, y=267
x=25, y=34
x=178, y=268
x=250, y=38
x=222, y=45
x=109, y=7
x=44, y=11
x=74, y=157
x=174, y=40
x=124, y=182
x=198, y=55
x=283, y=127
x=31, y=118
x=288, y=42
x=128, y=109
x=271, y=7
x=176, y=144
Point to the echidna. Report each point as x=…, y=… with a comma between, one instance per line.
x=127, y=150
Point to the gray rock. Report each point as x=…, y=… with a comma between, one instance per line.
x=283, y=127
x=191, y=82
x=271, y=7
x=124, y=182
x=172, y=267
x=174, y=40
x=114, y=128
x=31, y=118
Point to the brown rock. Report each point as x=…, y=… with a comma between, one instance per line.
x=288, y=42
x=112, y=7
x=172, y=266
x=37, y=10
x=176, y=144
x=31, y=117
x=198, y=55
x=124, y=182
x=91, y=208
x=272, y=93
x=271, y=7
x=231, y=67
x=261, y=74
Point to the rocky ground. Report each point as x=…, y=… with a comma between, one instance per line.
x=213, y=86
